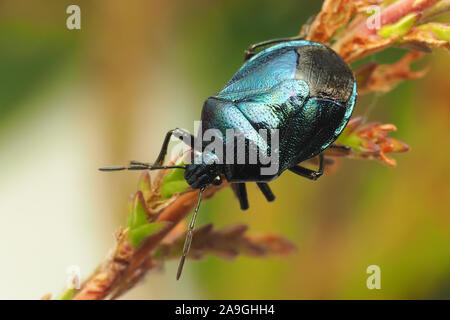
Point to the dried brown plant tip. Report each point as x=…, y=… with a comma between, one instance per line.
x=354, y=34
x=226, y=243
x=383, y=78
x=371, y=141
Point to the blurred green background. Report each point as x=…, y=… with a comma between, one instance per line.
x=71, y=101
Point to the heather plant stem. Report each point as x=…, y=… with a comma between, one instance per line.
x=111, y=272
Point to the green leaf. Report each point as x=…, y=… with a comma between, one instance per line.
x=139, y=227
x=351, y=140
x=144, y=183
x=173, y=182
x=67, y=294
x=138, y=234
x=138, y=212
x=441, y=31
x=399, y=28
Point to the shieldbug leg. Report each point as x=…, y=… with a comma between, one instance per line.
x=308, y=173
x=251, y=51
x=240, y=191
x=340, y=147
x=265, y=189
x=180, y=134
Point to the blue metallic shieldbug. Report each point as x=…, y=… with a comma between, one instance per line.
x=302, y=89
